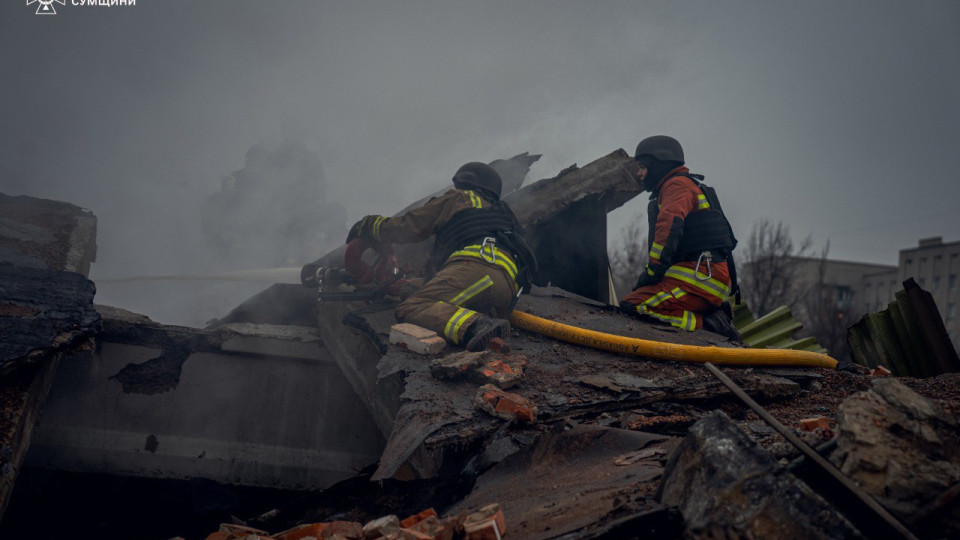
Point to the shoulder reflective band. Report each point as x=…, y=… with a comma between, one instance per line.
x=375, y=228
x=476, y=201
x=702, y=202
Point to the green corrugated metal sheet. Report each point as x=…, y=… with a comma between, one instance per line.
x=908, y=338
x=774, y=330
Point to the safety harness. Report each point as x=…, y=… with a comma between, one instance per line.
x=704, y=236
x=490, y=233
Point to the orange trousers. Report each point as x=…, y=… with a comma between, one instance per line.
x=680, y=302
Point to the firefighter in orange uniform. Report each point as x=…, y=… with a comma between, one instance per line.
x=691, y=271
x=482, y=257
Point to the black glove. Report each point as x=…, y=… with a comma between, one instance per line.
x=653, y=273
x=363, y=228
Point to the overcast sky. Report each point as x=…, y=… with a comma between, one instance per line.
x=840, y=118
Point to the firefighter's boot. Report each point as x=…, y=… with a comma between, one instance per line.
x=483, y=330
x=719, y=322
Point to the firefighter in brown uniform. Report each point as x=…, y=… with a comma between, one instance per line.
x=482, y=258
x=690, y=243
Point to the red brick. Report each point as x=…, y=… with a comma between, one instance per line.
x=417, y=518
x=412, y=534
x=810, y=424
x=344, y=529
x=487, y=523
x=880, y=371
x=232, y=531
x=505, y=405
x=310, y=530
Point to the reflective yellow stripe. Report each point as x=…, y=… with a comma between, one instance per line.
x=452, y=330
x=375, y=230
x=655, y=251
x=649, y=270
x=702, y=202
x=472, y=291
x=501, y=259
x=687, y=322
x=712, y=286
x=476, y=201
x=677, y=292
x=656, y=299
x=674, y=321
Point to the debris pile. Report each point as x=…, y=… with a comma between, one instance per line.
x=487, y=523
x=720, y=479
x=904, y=450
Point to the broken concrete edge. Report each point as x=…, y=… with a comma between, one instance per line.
x=38, y=223
x=43, y=311
x=66, y=343
x=349, y=345
x=122, y=326
x=82, y=249
x=610, y=177
x=19, y=443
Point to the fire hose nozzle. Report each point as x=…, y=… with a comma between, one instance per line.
x=315, y=276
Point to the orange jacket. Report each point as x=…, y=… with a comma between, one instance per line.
x=677, y=196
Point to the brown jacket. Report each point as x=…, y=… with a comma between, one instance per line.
x=418, y=224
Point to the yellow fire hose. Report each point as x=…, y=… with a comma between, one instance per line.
x=669, y=351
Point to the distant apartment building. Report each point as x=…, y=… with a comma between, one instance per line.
x=842, y=281
x=935, y=266
x=852, y=289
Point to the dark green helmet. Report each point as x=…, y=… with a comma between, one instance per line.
x=479, y=175
x=661, y=147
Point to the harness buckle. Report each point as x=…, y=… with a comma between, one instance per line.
x=492, y=243
x=696, y=271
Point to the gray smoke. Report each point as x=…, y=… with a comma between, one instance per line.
x=273, y=212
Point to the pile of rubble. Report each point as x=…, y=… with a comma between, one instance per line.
x=486, y=523
x=703, y=467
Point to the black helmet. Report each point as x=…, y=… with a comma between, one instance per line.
x=479, y=175
x=661, y=147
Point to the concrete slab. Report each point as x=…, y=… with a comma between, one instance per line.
x=247, y=419
x=46, y=312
